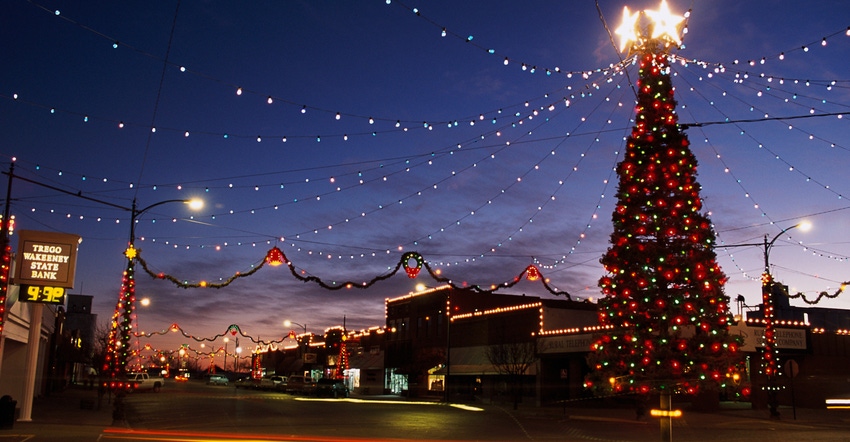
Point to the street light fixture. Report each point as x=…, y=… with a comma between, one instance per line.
x=288, y=323
x=144, y=302
x=237, y=356
x=769, y=356
x=224, y=364
x=194, y=204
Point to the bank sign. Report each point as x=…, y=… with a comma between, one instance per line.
x=46, y=264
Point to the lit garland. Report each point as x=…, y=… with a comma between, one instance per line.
x=5, y=266
x=198, y=353
x=342, y=364
x=770, y=351
x=201, y=284
x=821, y=295
x=232, y=329
x=7, y=227
x=404, y=262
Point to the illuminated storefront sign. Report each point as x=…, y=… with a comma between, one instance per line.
x=46, y=265
x=565, y=344
x=753, y=337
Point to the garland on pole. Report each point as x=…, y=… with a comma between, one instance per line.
x=233, y=329
x=187, y=349
x=412, y=262
x=201, y=284
x=821, y=295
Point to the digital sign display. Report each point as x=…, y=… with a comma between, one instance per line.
x=46, y=295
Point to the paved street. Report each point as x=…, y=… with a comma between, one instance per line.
x=194, y=411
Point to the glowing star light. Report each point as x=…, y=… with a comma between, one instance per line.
x=628, y=31
x=665, y=23
x=131, y=253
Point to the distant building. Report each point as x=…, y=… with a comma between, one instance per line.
x=446, y=342
x=78, y=344
x=813, y=340
x=432, y=352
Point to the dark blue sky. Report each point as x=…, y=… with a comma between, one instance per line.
x=404, y=168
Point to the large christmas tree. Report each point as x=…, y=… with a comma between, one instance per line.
x=665, y=313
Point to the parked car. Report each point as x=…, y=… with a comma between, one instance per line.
x=217, y=379
x=278, y=382
x=300, y=385
x=331, y=388
x=245, y=383
x=270, y=382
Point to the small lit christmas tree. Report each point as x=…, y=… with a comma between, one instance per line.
x=118, y=350
x=665, y=311
x=342, y=360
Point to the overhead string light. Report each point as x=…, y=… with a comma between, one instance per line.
x=469, y=213
x=399, y=125
x=561, y=184
x=497, y=132
x=765, y=58
x=481, y=206
x=270, y=98
x=483, y=159
x=771, y=87
x=468, y=39
x=764, y=146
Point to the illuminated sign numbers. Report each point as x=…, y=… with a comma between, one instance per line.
x=48, y=295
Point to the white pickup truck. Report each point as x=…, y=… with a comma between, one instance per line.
x=144, y=381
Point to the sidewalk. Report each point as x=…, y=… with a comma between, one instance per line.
x=69, y=415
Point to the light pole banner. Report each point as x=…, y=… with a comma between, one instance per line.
x=46, y=259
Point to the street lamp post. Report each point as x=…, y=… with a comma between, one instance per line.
x=122, y=319
x=289, y=323
x=448, y=348
x=224, y=364
x=237, y=356
x=769, y=356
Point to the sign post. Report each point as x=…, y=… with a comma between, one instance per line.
x=792, y=369
x=46, y=265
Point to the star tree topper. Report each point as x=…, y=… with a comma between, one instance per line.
x=663, y=27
